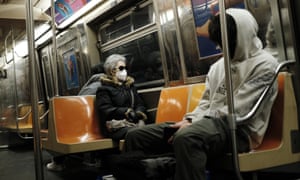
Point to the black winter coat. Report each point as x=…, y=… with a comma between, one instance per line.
x=113, y=99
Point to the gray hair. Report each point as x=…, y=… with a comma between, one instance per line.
x=111, y=62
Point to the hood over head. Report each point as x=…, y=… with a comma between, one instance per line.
x=248, y=44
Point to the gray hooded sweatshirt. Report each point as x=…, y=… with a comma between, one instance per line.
x=252, y=69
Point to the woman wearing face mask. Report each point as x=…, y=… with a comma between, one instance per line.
x=119, y=107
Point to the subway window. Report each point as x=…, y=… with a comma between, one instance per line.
x=134, y=19
x=134, y=35
x=143, y=59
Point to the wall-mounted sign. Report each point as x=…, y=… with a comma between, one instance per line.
x=66, y=8
x=70, y=69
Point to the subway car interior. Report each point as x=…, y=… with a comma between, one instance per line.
x=50, y=50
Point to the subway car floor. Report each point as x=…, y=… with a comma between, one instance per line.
x=17, y=162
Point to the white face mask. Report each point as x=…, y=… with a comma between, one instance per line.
x=122, y=75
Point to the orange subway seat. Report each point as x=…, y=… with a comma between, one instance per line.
x=75, y=119
x=172, y=104
x=273, y=135
x=196, y=94
x=73, y=126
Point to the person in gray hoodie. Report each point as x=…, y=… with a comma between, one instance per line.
x=204, y=134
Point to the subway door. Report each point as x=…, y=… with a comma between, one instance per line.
x=73, y=62
x=47, y=71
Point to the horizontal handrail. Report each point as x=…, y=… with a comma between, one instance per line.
x=27, y=113
x=44, y=115
x=25, y=116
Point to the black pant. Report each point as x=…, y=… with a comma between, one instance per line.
x=193, y=145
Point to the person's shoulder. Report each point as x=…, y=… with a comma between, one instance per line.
x=268, y=58
x=219, y=64
x=96, y=77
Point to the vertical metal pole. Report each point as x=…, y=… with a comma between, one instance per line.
x=34, y=91
x=54, y=52
x=229, y=89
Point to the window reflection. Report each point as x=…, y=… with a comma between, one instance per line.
x=143, y=58
x=169, y=38
x=114, y=28
x=142, y=16
x=138, y=43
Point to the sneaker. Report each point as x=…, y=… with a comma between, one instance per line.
x=108, y=177
x=52, y=166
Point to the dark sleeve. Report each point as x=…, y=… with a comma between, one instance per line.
x=138, y=102
x=105, y=107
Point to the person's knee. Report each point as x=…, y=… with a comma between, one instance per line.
x=185, y=140
x=180, y=138
x=132, y=134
